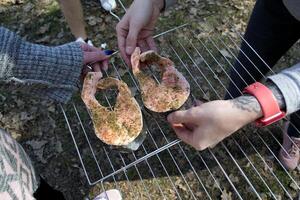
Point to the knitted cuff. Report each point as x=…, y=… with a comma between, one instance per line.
x=9, y=48
x=50, y=72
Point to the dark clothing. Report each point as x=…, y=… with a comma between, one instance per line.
x=271, y=31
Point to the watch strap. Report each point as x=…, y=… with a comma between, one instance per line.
x=268, y=103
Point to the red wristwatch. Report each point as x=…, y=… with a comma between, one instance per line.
x=268, y=104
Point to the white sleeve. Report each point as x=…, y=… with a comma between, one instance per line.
x=288, y=82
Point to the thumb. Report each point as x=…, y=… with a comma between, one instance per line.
x=131, y=39
x=180, y=117
x=94, y=56
x=184, y=134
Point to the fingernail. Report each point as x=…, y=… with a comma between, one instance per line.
x=129, y=50
x=108, y=52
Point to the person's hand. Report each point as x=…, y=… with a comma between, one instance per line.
x=136, y=27
x=94, y=55
x=207, y=124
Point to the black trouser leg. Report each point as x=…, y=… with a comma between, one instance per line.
x=46, y=192
x=294, y=128
x=271, y=31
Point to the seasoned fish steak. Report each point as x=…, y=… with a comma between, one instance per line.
x=173, y=90
x=117, y=127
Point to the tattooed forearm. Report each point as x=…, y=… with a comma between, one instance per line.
x=247, y=103
x=278, y=95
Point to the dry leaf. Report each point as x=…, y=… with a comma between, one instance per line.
x=225, y=53
x=44, y=29
x=198, y=60
x=193, y=11
x=122, y=71
x=38, y=148
x=2, y=9
x=294, y=186
x=28, y=7
x=92, y=21
x=60, y=34
x=226, y=195
x=133, y=90
x=36, y=144
x=58, y=147
x=44, y=39
x=233, y=178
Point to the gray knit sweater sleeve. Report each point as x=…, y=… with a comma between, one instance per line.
x=288, y=81
x=47, y=72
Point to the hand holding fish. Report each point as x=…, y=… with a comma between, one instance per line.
x=207, y=124
x=93, y=55
x=137, y=26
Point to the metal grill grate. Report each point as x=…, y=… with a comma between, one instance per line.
x=245, y=165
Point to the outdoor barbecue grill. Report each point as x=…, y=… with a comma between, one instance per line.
x=244, y=166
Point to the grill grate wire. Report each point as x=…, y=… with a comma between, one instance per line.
x=160, y=144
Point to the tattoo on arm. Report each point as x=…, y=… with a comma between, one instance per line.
x=277, y=93
x=247, y=103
